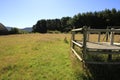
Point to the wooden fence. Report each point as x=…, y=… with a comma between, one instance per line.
x=88, y=48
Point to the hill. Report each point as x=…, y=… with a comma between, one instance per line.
x=3, y=29
x=8, y=28
x=28, y=29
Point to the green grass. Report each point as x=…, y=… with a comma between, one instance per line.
x=37, y=57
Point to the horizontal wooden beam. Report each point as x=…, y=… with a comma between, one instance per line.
x=103, y=30
x=79, y=29
x=78, y=44
x=79, y=57
x=98, y=30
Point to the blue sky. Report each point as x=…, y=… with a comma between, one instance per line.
x=25, y=13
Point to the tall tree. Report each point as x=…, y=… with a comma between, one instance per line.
x=65, y=24
x=40, y=26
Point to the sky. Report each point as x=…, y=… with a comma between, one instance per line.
x=25, y=13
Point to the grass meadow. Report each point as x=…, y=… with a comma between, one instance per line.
x=42, y=57
x=38, y=57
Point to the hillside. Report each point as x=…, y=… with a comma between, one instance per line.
x=28, y=29
x=3, y=29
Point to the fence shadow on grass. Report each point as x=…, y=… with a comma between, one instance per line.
x=103, y=72
x=95, y=71
x=77, y=68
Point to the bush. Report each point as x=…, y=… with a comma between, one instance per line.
x=14, y=31
x=17, y=31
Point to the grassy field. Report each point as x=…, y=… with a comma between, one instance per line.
x=37, y=57
x=42, y=57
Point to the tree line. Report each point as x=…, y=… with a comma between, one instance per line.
x=100, y=19
x=43, y=25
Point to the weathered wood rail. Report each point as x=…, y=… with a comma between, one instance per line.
x=93, y=49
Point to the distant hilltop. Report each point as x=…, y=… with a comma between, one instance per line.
x=28, y=29
x=6, y=29
x=3, y=29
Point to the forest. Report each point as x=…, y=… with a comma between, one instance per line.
x=97, y=19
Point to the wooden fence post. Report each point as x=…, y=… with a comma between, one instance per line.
x=72, y=39
x=88, y=34
x=112, y=37
x=111, y=43
x=84, y=41
x=99, y=34
x=107, y=36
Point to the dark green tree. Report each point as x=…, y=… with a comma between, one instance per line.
x=97, y=19
x=14, y=31
x=40, y=26
x=65, y=25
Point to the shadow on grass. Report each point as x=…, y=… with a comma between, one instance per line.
x=78, y=69
x=95, y=71
x=103, y=72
